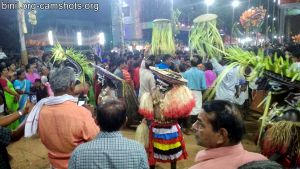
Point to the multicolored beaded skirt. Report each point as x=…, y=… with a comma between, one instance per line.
x=165, y=143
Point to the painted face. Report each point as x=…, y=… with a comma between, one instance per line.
x=204, y=133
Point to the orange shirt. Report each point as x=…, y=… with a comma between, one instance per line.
x=62, y=128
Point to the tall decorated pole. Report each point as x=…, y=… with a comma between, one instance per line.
x=22, y=31
x=162, y=37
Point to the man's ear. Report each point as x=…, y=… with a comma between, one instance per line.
x=222, y=137
x=125, y=122
x=96, y=121
x=72, y=87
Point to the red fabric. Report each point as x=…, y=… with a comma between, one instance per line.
x=146, y=113
x=136, y=78
x=161, y=141
x=3, y=83
x=127, y=76
x=184, y=111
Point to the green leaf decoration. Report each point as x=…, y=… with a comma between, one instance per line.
x=162, y=38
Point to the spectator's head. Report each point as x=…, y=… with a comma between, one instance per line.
x=37, y=83
x=11, y=66
x=150, y=61
x=111, y=115
x=294, y=50
x=29, y=68
x=121, y=63
x=218, y=125
x=182, y=68
x=291, y=115
x=267, y=164
x=208, y=66
x=21, y=74
x=62, y=81
x=3, y=71
x=45, y=71
x=167, y=59
x=194, y=62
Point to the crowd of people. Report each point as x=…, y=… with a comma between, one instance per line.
x=86, y=137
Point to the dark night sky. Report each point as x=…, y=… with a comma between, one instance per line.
x=102, y=19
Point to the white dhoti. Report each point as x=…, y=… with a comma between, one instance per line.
x=198, y=98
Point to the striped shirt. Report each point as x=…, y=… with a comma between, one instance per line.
x=109, y=150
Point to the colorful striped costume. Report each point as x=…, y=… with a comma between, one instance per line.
x=166, y=143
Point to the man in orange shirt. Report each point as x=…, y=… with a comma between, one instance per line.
x=62, y=124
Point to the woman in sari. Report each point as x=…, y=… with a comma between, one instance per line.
x=22, y=86
x=10, y=95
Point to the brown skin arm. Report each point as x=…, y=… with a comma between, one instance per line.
x=237, y=89
x=10, y=91
x=6, y=120
x=18, y=133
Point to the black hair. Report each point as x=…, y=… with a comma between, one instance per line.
x=38, y=80
x=208, y=66
x=19, y=72
x=266, y=164
x=194, y=62
x=291, y=115
x=166, y=57
x=120, y=61
x=150, y=61
x=27, y=67
x=111, y=115
x=182, y=68
x=294, y=50
x=2, y=67
x=226, y=116
x=8, y=64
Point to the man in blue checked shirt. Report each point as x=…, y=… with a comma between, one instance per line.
x=110, y=149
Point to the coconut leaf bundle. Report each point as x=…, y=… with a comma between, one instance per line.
x=60, y=55
x=205, y=34
x=262, y=63
x=162, y=38
x=131, y=101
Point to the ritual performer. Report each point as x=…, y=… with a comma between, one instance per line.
x=170, y=100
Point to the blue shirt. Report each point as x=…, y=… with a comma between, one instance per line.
x=162, y=65
x=195, y=78
x=19, y=85
x=109, y=150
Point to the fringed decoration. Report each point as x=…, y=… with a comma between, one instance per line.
x=153, y=157
x=142, y=134
x=130, y=100
x=146, y=106
x=283, y=137
x=278, y=138
x=178, y=102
